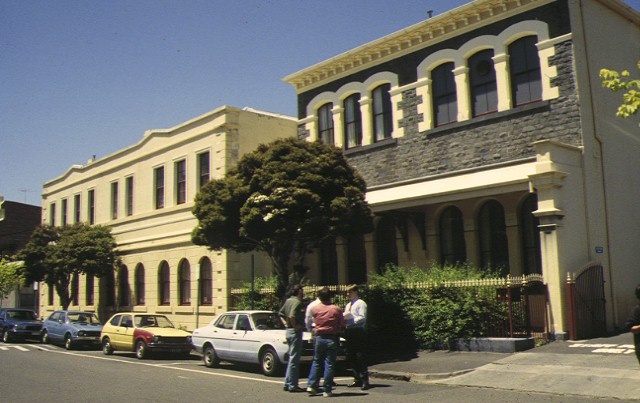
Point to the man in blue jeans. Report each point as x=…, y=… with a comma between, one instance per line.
x=329, y=323
x=293, y=313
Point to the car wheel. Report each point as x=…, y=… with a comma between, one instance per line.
x=107, y=348
x=141, y=349
x=269, y=362
x=6, y=337
x=210, y=357
x=45, y=337
x=68, y=343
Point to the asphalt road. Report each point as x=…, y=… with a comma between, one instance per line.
x=37, y=373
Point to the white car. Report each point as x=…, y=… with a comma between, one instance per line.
x=247, y=336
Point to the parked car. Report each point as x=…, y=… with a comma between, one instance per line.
x=72, y=328
x=247, y=336
x=16, y=323
x=143, y=334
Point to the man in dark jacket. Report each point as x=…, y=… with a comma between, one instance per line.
x=633, y=324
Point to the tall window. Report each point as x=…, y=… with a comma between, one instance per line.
x=158, y=184
x=325, y=124
x=524, y=67
x=50, y=294
x=91, y=206
x=531, y=251
x=453, y=249
x=76, y=208
x=108, y=289
x=89, y=290
x=382, y=126
x=123, y=286
x=114, y=200
x=492, y=231
x=164, y=284
x=206, y=281
x=203, y=169
x=75, y=289
x=482, y=78
x=184, y=282
x=352, y=121
x=52, y=214
x=128, y=190
x=64, y=219
x=445, y=101
x=180, y=168
x=139, y=284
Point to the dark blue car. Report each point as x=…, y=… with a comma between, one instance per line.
x=72, y=328
x=19, y=324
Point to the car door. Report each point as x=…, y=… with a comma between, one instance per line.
x=243, y=343
x=221, y=335
x=55, y=326
x=122, y=336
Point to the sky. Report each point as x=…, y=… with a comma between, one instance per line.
x=80, y=78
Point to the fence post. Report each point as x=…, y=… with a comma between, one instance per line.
x=510, y=307
x=570, y=288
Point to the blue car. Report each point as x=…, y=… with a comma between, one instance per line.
x=16, y=323
x=72, y=329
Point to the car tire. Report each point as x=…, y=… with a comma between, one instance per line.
x=68, y=343
x=141, y=350
x=45, y=337
x=209, y=357
x=269, y=362
x=107, y=348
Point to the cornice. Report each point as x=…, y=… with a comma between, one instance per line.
x=418, y=36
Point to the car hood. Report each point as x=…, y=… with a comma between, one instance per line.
x=166, y=331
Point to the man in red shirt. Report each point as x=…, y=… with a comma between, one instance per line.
x=329, y=324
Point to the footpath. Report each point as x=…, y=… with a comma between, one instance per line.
x=604, y=368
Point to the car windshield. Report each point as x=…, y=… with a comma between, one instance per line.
x=83, y=317
x=267, y=321
x=25, y=315
x=152, y=321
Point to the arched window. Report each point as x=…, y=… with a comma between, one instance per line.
x=164, y=284
x=524, y=67
x=453, y=248
x=382, y=123
x=531, y=252
x=123, y=286
x=206, y=282
x=184, y=282
x=386, y=246
x=352, y=121
x=89, y=290
x=325, y=124
x=492, y=231
x=445, y=100
x=482, y=79
x=139, y=284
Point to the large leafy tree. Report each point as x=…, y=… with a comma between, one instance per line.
x=284, y=199
x=57, y=255
x=9, y=277
x=622, y=81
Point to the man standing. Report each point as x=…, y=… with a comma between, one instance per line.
x=355, y=314
x=633, y=324
x=293, y=313
x=329, y=323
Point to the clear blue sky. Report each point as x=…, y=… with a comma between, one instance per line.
x=79, y=78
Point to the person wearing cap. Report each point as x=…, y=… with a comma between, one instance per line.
x=355, y=315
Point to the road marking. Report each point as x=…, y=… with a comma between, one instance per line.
x=606, y=348
x=6, y=348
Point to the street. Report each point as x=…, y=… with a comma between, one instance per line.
x=35, y=372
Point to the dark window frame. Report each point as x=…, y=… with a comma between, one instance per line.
x=352, y=118
x=381, y=111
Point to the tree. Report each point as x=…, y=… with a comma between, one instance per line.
x=615, y=81
x=57, y=255
x=283, y=199
x=9, y=277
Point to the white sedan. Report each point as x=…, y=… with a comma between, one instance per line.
x=247, y=336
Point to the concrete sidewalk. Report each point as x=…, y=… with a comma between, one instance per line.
x=604, y=368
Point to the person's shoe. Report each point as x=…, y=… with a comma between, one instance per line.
x=327, y=394
x=365, y=386
x=312, y=391
x=355, y=384
x=285, y=388
x=296, y=389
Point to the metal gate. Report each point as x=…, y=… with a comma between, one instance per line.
x=586, y=303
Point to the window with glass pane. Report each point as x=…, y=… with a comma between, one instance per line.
x=164, y=284
x=159, y=187
x=382, y=126
x=184, y=282
x=453, y=248
x=494, y=251
x=482, y=79
x=123, y=286
x=352, y=121
x=91, y=206
x=89, y=287
x=63, y=212
x=75, y=289
x=114, y=200
x=129, y=194
x=76, y=208
x=181, y=181
x=445, y=100
x=524, y=67
x=139, y=284
x=203, y=169
x=52, y=214
x=206, y=282
x=325, y=124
